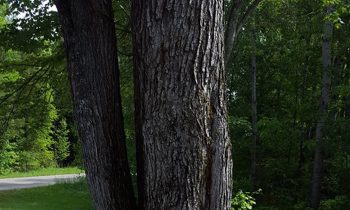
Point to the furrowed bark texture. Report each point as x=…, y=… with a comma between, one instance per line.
x=90, y=43
x=185, y=151
x=324, y=101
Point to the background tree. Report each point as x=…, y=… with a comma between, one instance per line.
x=290, y=70
x=254, y=111
x=29, y=65
x=324, y=101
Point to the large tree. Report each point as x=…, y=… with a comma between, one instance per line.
x=181, y=116
x=90, y=42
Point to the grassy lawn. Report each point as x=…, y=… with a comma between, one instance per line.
x=70, y=196
x=43, y=172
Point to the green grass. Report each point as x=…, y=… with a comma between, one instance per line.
x=43, y=172
x=68, y=196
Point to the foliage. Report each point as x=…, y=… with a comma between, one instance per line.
x=34, y=94
x=289, y=71
x=61, y=145
x=7, y=158
x=338, y=203
x=244, y=200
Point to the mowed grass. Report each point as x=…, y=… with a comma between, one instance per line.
x=43, y=172
x=67, y=196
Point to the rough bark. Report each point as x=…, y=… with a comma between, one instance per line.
x=254, y=114
x=90, y=42
x=324, y=100
x=184, y=149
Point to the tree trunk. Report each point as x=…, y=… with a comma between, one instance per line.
x=318, y=159
x=184, y=149
x=254, y=114
x=90, y=43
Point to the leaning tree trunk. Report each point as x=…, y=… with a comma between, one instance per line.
x=184, y=149
x=318, y=160
x=90, y=43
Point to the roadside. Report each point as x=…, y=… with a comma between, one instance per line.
x=38, y=181
x=43, y=172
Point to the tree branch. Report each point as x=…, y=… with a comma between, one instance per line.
x=231, y=26
x=18, y=65
x=21, y=87
x=250, y=9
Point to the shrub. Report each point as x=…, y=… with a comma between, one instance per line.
x=244, y=200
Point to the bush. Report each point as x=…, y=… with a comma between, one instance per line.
x=338, y=203
x=61, y=143
x=8, y=159
x=27, y=161
x=244, y=200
